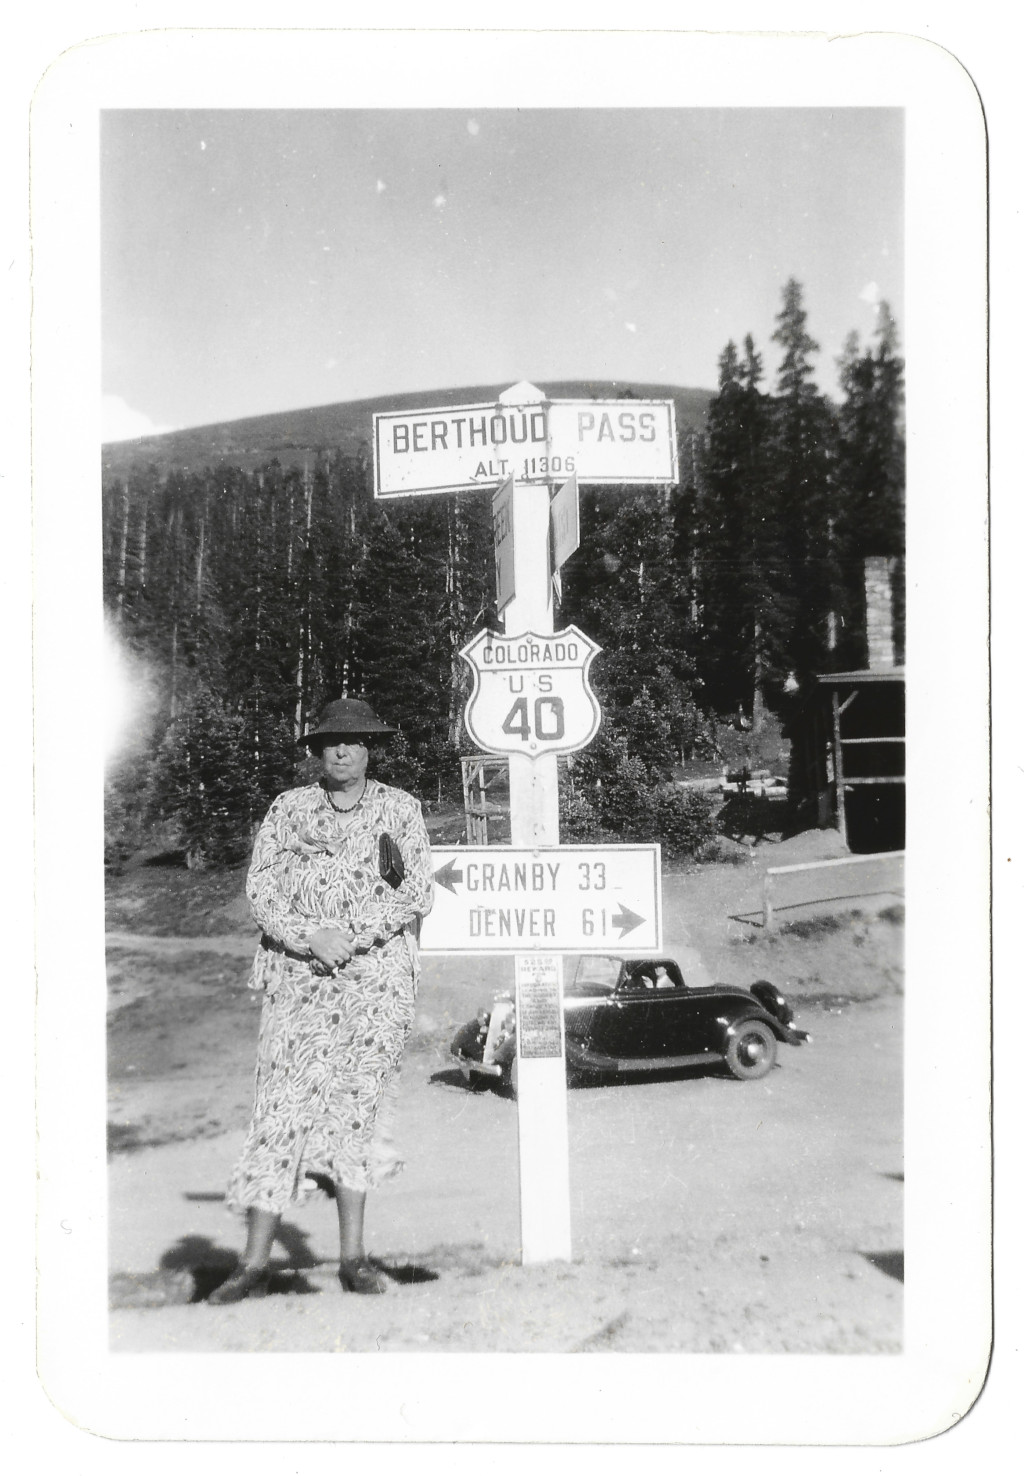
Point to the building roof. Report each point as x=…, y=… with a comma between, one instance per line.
x=847, y=678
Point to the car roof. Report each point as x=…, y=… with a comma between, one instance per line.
x=651, y=961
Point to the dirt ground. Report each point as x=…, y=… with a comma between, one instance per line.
x=708, y=1215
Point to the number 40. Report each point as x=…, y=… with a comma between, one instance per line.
x=548, y=719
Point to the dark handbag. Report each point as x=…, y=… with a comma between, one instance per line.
x=392, y=867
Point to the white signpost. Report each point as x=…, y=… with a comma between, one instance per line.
x=531, y=701
x=559, y=899
x=533, y=804
x=457, y=448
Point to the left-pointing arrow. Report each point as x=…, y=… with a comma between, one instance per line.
x=448, y=876
x=626, y=920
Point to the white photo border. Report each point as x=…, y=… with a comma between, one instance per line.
x=426, y=1398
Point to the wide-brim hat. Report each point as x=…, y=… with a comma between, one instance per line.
x=349, y=718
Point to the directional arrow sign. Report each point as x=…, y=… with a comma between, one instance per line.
x=555, y=899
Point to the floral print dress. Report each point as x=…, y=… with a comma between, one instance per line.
x=330, y=1044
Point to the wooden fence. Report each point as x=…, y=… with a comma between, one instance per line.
x=769, y=904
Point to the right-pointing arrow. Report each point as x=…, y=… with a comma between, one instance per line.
x=626, y=920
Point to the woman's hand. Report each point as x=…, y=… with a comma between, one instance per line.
x=332, y=947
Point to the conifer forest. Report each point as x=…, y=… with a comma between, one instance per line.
x=243, y=599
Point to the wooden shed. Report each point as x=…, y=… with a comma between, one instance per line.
x=854, y=756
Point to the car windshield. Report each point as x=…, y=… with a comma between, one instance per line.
x=595, y=974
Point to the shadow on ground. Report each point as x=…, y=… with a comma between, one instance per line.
x=714, y=1068
x=889, y=1262
x=195, y=1266
x=453, y=1077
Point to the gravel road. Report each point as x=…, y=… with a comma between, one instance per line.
x=708, y=1215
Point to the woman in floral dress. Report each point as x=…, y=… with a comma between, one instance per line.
x=338, y=965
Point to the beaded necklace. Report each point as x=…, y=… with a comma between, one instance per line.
x=346, y=809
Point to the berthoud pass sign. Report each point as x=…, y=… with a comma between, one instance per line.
x=462, y=447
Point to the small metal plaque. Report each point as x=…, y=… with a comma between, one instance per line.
x=539, y=1006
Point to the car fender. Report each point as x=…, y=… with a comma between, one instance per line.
x=727, y=1025
x=773, y=1000
x=506, y=1052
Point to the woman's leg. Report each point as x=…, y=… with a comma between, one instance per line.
x=260, y=1237
x=250, y=1279
x=351, y=1213
x=354, y=1271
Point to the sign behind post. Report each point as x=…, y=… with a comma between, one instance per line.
x=504, y=543
x=565, y=529
x=565, y=522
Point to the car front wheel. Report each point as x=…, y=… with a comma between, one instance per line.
x=751, y=1051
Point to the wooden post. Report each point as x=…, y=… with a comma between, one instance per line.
x=837, y=764
x=766, y=906
x=533, y=801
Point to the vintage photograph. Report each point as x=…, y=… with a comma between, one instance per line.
x=296, y=307
x=507, y=550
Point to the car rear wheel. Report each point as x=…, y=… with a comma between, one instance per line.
x=510, y=1077
x=751, y=1051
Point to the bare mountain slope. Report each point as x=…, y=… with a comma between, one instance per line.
x=293, y=436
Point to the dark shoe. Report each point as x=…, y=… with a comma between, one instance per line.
x=360, y=1276
x=247, y=1281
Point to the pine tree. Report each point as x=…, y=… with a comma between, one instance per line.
x=401, y=655
x=202, y=782
x=626, y=589
x=800, y=469
x=743, y=599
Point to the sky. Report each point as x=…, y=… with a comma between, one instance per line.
x=258, y=261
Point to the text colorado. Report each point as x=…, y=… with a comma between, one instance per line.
x=531, y=651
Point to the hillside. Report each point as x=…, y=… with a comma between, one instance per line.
x=293, y=435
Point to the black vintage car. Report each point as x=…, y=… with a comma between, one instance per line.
x=632, y=1015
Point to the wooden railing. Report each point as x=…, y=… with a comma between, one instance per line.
x=768, y=905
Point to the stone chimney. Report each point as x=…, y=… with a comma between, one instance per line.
x=878, y=574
